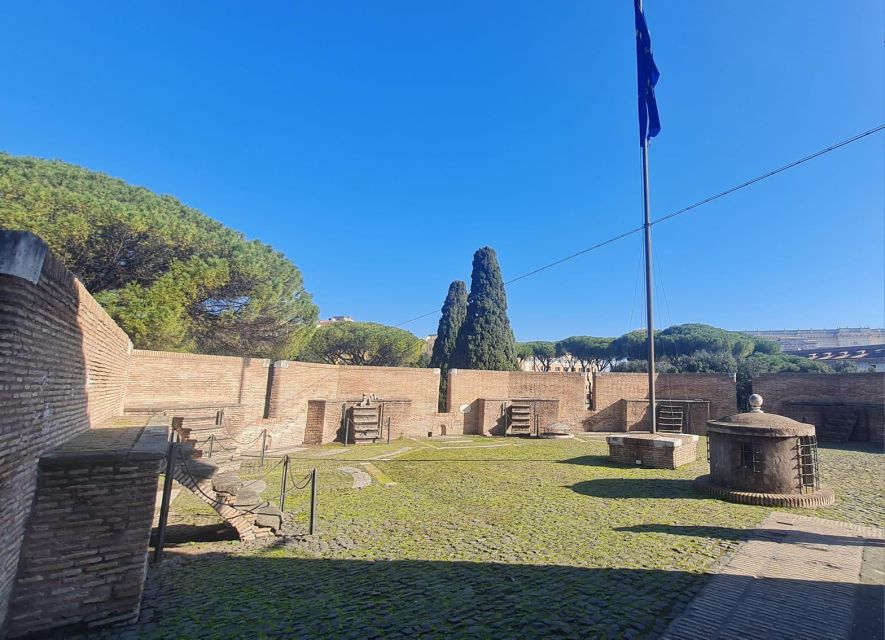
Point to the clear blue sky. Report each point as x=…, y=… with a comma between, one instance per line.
x=378, y=144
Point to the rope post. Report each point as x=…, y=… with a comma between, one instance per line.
x=388, y=430
x=211, y=443
x=263, y=445
x=283, y=483
x=313, y=501
x=167, y=495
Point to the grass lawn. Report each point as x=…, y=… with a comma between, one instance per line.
x=479, y=538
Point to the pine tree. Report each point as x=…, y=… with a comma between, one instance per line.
x=486, y=339
x=454, y=310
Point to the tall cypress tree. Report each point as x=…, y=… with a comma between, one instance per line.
x=454, y=310
x=486, y=339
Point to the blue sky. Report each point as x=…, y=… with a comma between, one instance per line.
x=378, y=144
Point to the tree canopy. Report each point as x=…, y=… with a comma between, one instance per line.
x=588, y=351
x=363, y=343
x=485, y=340
x=172, y=277
x=541, y=352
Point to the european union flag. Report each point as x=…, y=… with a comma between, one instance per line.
x=647, y=74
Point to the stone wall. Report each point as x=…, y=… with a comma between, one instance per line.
x=63, y=364
x=778, y=388
x=164, y=379
x=477, y=395
x=84, y=555
x=812, y=397
x=612, y=390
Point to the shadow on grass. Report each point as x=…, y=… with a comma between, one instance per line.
x=591, y=461
x=226, y=596
x=729, y=533
x=638, y=488
x=184, y=533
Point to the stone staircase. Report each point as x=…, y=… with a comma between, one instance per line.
x=519, y=419
x=216, y=481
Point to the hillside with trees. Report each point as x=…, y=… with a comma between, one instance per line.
x=685, y=348
x=172, y=277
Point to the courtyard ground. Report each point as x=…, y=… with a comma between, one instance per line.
x=472, y=537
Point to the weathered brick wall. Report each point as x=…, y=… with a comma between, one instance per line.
x=162, y=379
x=780, y=390
x=421, y=386
x=611, y=390
x=627, y=452
x=297, y=383
x=84, y=556
x=466, y=388
x=777, y=388
x=63, y=363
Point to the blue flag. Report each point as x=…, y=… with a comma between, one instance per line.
x=647, y=75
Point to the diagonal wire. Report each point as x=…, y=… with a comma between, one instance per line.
x=682, y=211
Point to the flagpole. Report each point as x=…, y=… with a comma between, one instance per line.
x=649, y=306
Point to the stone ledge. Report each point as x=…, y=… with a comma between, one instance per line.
x=110, y=444
x=22, y=255
x=653, y=440
x=821, y=498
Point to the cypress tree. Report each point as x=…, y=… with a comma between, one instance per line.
x=454, y=310
x=486, y=339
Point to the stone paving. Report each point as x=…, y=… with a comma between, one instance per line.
x=361, y=479
x=527, y=539
x=796, y=577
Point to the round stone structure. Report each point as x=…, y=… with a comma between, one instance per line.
x=764, y=459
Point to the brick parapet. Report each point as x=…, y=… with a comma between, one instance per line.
x=63, y=365
x=84, y=553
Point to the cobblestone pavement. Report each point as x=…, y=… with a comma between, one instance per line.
x=796, y=577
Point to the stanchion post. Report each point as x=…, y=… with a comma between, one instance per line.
x=263, y=445
x=313, y=501
x=283, y=484
x=211, y=443
x=167, y=495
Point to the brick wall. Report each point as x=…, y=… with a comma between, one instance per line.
x=161, y=379
x=83, y=559
x=467, y=388
x=63, y=363
x=777, y=388
x=825, y=394
x=295, y=384
x=628, y=451
x=612, y=390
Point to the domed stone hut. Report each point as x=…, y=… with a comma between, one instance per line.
x=765, y=459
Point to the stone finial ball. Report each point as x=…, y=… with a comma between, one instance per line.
x=755, y=402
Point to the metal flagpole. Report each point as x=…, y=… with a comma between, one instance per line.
x=649, y=307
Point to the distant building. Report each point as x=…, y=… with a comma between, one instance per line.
x=334, y=319
x=429, y=341
x=801, y=339
x=867, y=358
x=556, y=364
